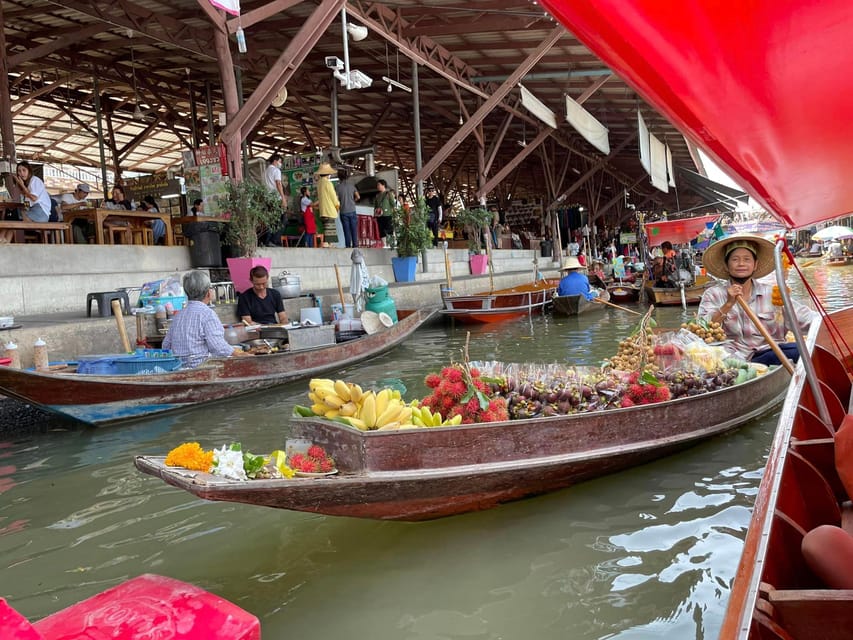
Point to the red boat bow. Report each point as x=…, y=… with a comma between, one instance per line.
x=760, y=86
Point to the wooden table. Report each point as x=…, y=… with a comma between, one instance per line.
x=98, y=216
x=48, y=230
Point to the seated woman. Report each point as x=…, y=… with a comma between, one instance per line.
x=740, y=260
x=574, y=282
x=196, y=333
x=37, y=207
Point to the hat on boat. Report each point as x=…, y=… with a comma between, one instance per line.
x=571, y=263
x=370, y=322
x=83, y=187
x=326, y=170
x=714, y=258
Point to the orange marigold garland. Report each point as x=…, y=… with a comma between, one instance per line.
x=191, y=456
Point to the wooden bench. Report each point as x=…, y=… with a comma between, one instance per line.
x=54, y=231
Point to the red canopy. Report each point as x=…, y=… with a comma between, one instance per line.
x=677, y=231
x=763, y=87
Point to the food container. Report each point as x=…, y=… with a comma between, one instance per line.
x=289, y=285
x=261, y=343
x=311, y=337
x=275, y=331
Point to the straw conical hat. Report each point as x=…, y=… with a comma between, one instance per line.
x=714, y=258
x=571, y=263
x=326, y=170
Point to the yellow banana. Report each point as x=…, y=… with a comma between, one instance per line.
x=382, y=399
x=405, y=415
x=343, y=391
x=332, y=413
x=437, y=419
x=333, y=401
x=317, y=382
x=391, y=414
x=313, y=397
x=367, y=413
x=323, y=391
x=395, y=393
x=391, y=426
x=319, y=409
x=356, y=393
x=358, y=424
x=349, y=409
x=416, y=420
x=455, y=420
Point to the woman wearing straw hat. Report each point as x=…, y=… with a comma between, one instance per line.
x=327, y=202
x=574, y=282
x=740, y=260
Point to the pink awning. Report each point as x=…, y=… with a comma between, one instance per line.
x=677, y=231
x=764, y=87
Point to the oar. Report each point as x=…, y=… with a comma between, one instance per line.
x=340, y=288
x=122, y=330
x=767, y=337
x=447, y=273
x=616, y=306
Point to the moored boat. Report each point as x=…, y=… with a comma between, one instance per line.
x=624, y=291
x=838, y=261
x=421, y=474
x=105, y=399
x=501, y=304
x=672, y=295
x=578, y=304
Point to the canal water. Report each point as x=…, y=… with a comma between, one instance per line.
x=646, y=553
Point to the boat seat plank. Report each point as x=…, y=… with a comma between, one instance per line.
x=831, y=370
x=808, y=614
x=808, y=426
x=820, y=452
x=837, y=411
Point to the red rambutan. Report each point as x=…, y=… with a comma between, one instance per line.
x=432, y=380
x=454, y=374
x=475, y=373
x=627, y=402
x=316, y=451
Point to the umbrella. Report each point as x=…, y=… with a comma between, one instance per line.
x=359, y=279
x=835, y=232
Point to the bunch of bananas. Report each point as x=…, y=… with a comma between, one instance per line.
x=424, y=417
x=365, y=410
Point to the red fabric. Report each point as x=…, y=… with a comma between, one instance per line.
x=755, y=84
x=14, y=626
x=677, y=231
x=151, y=606
x=308, y=220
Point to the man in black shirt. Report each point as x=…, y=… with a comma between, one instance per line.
x=259, y=304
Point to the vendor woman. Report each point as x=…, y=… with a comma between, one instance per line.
x=261, y=305
x=740, y=260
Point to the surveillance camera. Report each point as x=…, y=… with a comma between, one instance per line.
x=333, y=62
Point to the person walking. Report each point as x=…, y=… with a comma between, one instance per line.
x=327, y=203
x=433, y=202
x=272, y=181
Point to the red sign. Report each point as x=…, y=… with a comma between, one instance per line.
x=212, y=154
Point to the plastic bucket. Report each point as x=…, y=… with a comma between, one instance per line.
x=377, y=294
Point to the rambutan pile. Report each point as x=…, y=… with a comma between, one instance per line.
x=315, y=460
x=639, y=392
x=459, y=390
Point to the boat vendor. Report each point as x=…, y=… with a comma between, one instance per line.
x=740, y=260
x=196, y=333
x=574, y=282
x=260, y=304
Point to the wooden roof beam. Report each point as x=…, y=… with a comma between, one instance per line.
x=507, y=169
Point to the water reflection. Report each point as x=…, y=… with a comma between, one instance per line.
x=649, y=552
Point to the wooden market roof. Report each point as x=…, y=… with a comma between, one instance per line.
x=150, y=57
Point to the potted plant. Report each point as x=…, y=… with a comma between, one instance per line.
x=476, y=223
x=250, y=207
x=412, y=237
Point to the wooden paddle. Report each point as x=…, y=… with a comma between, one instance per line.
x=616, y=306
x=767, y=337
x=340, y=288
x=447, y=273
x=122, y=330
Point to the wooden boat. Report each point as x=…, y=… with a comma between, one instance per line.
x=624, y=291
x=421, y=474
x=793, y=159
x=148, y=606
x=104, y=399
x=672, y=296
x=499, y=305
x=576, y=305
x=839, y=261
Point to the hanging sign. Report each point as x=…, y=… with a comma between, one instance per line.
x=228, y=6
x=210, y=161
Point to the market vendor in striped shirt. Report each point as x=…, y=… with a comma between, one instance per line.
x=740, y=260
x=196, y=333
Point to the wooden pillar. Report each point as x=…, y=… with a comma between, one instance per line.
x=6, y=130
x=232, y=106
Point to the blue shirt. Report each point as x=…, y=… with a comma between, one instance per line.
x=574, y=283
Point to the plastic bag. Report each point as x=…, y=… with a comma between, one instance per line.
x=376, y=282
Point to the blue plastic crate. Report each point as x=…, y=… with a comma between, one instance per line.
x=150, y=361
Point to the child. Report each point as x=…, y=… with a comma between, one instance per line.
x=307, y=208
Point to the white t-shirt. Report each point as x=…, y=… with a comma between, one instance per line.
x=37, y=188
x=272, y=175
x=304, y=203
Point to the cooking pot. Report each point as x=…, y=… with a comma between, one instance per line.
x=289, y=285
x=248, y=344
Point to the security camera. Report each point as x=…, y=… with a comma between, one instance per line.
x=333, y=62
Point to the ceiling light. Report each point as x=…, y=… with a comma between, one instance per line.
x=393, y=83
x=356, y=31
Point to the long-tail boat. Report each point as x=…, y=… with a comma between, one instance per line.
x=793, y=156
x=107, y=399
x=421, y=474
x=499, y=305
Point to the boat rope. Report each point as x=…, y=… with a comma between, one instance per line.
x=834, y=332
